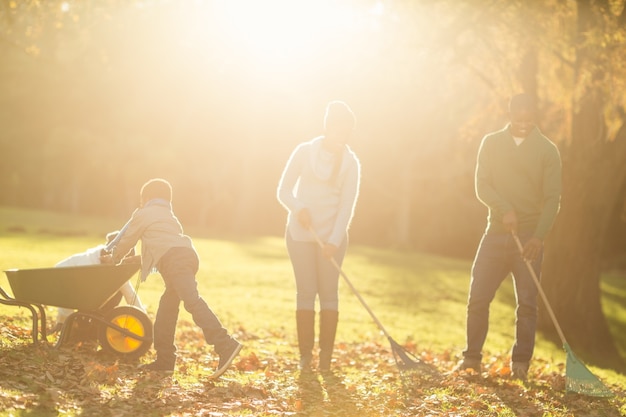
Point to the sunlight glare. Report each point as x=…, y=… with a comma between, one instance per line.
x=378, y=9
x=283, y=30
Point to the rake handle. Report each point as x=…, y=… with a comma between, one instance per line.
x=540, y=289
x=354, y=290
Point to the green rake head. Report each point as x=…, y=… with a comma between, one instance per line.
x=579, y=379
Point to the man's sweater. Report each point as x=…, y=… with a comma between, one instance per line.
x=525, y=178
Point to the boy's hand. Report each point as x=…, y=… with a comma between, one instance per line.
x=106, y=259
x=135, y=259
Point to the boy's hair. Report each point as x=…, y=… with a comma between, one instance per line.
x=156, y=188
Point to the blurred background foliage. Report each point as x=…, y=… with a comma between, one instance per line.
x=100, y=95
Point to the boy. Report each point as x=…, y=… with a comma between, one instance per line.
x=165, y=248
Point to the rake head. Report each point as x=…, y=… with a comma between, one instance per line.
x=579, y=379
x=406, y=361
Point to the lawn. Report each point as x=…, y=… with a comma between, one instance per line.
x=420, y=299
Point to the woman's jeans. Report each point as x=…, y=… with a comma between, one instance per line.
x=178, y=267
x=497, y=256
x=315, y=274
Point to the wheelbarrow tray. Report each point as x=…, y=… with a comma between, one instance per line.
x=76, y=287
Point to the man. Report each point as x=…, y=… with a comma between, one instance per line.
x=518, y=178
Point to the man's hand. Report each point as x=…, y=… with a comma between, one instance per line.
x=509, y=221
x=532, y=249
x=304, y=218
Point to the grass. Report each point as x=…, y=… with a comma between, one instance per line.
x=419, y=298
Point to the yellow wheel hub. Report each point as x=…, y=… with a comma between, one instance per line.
x=120, y=342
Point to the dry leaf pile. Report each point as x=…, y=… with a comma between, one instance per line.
x=264, y=381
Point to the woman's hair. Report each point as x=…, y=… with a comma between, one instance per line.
x=339, y=113
x=156, y=188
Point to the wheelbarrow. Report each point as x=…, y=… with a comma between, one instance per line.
x=90, y=290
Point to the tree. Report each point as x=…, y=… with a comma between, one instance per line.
x=594, y=164
x=569, y=55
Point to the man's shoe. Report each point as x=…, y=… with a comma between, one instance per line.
x=226, y=357
x=519, y=370
x=158, y=366
x=467, y=364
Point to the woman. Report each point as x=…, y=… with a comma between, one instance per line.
x=319, y=188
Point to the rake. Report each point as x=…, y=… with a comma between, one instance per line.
x=404, y=359
x=578, y=378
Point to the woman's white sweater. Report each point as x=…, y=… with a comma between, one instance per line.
x=306, y=183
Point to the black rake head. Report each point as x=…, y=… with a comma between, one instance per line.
x=407, y=361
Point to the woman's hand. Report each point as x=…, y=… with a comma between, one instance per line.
x=329, y=250
x=304, y=218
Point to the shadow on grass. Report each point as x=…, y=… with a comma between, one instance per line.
x=488, y=395
x=614, y=298
x=324, y=393
x=40, y=380
x=522, y=398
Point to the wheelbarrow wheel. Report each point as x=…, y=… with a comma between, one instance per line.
x=133, y=320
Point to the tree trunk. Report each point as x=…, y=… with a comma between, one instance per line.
x=592, y=178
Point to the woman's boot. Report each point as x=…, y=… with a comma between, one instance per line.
x=328, y=329
x=305, y=323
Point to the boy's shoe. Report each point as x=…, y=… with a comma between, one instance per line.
x=519, y=370
x=158, y=366
x=466, y=364
x=227, y=355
